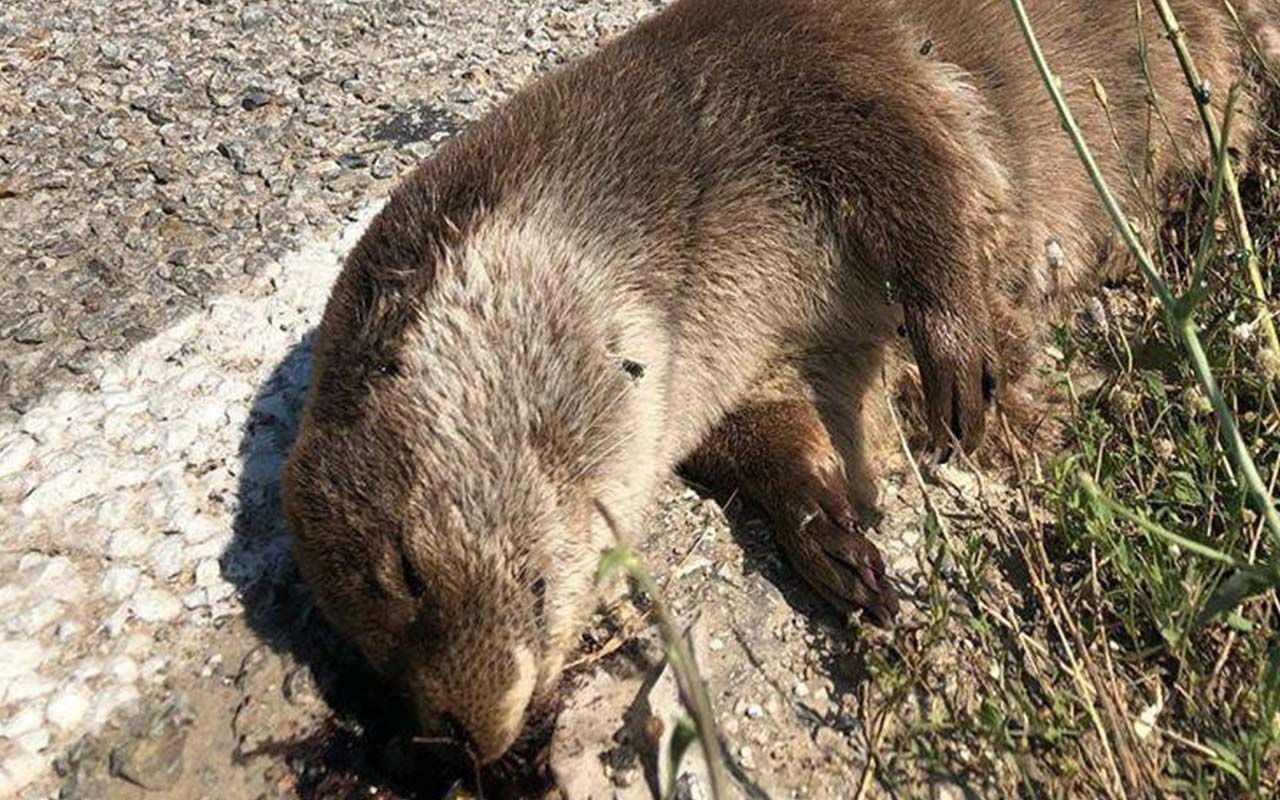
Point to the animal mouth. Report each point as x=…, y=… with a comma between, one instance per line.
x=524, y=770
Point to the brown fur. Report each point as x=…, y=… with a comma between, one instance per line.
x=748, y=200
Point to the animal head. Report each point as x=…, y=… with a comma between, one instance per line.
x=470, y=406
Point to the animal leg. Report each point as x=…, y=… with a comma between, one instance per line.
x=776, y=450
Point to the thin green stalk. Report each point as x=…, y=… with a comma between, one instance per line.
x=1159, y=531
x=1183, y=315
x=1217, y=142
x=1223, y=163
x=1153, y=97
x=693, y=692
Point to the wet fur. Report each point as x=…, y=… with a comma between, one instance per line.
x=750, y=200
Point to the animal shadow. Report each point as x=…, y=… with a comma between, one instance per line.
x=368, y=743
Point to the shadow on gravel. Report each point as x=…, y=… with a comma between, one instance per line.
x=367, y=743
x=844, y=663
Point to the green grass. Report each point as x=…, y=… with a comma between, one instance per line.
x=1109, y=627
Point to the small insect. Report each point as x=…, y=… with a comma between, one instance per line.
x=633, y=368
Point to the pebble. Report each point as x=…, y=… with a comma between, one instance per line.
x=120, y=582
x=34, y=741
x=108, y=701
x=16, y=454
x=36, y=618
x=25, y=721
x=167, y=557
x=59, y=580
x=208, y=573
x=26, y=687
x=128, y=544
x=155, y=605
x=19, y=770
x=63, y=489
x=67, y=708
x=123, y=668
x=19, y=657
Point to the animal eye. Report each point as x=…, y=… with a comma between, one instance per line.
x=387, y=368
x=412, y=582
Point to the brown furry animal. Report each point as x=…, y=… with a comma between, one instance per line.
x=696, y=246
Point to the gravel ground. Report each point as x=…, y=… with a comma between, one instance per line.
x=154, y=154
x=178, y=184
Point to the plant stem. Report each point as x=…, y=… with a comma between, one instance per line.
x=1183, y=315
x=1159, y=531
x=1201, y=92
x=693, y=692
x=1222, y=164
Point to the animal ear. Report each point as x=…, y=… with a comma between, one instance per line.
x=633, y=368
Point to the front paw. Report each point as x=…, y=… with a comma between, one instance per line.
x=957, y=373
x=831, y=553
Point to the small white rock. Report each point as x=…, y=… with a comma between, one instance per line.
x=60, y=580
x=87, y=670
x=166, y=557
x=16, y=454
x=755, y=711
x=37, y=618
x=108, y=701
x=208, y=573
x=153, y=667
x=20, y=657
x=138, y=645
x=116, y=621
x=155, y=605
x=35, y=741
x=179, y=436
x=37, y=423
x=26, y=687
x=67, y=708
x=67, y=629
x=19, y=771
x=32, y=561
x=123, y=668
x=120, y=582
x=128, y=543
x=25, y=721
x=63, y=489
x=195, y=599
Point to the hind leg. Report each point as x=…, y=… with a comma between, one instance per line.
x=776, y=449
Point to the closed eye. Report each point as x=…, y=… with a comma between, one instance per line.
x=412, y=581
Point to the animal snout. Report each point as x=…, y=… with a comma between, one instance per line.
x=479, y=741
x=479, y=717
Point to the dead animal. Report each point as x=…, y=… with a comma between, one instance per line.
x=696, y=247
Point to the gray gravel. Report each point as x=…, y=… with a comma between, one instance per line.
x=154, y=154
